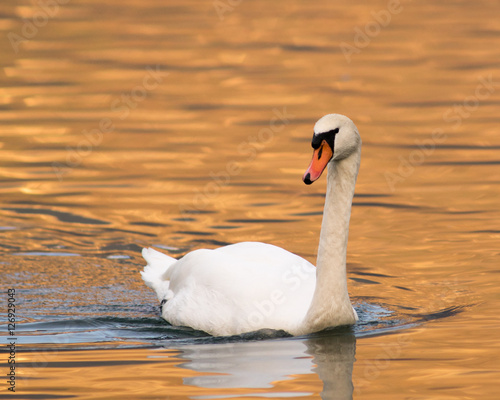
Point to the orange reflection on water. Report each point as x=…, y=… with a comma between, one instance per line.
x=139, y=373
x=424, y=229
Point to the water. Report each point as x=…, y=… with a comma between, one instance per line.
x=185, y=125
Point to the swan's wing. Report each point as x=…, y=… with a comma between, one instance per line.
x=240, y=288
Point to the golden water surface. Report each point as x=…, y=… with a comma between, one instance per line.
x=187, y=124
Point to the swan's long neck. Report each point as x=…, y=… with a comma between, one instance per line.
x=331, y=305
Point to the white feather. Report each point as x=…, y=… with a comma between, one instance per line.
x=155, y=274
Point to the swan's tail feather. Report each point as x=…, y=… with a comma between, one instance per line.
x=156, y=274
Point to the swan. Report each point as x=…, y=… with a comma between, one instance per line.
x=250, y=286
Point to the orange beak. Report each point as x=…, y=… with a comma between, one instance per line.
x=321, y=156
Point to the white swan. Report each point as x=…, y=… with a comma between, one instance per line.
x=249, y=286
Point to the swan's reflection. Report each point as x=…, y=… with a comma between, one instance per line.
x=259, y=364
x=334, y=356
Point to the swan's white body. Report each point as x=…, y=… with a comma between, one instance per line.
x=234, y=289
x=249, y=286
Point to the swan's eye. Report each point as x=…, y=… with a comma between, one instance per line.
x=329, y=137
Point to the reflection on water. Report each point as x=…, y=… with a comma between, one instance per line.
x=142, y=123
x=257, y=365
x=334, y=357
x=245, y=365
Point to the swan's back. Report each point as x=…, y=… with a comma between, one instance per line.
x=240, y=288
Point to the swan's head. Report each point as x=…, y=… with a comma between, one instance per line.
x=335, y=138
